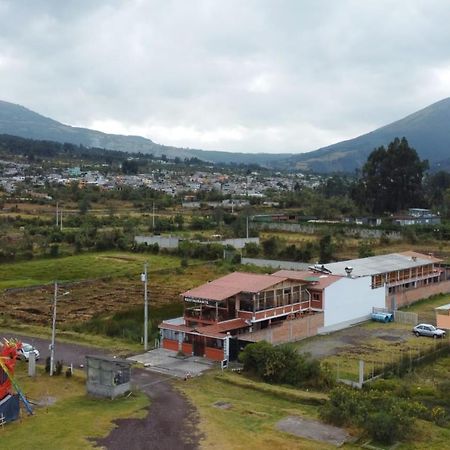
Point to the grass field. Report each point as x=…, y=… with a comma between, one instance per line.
x=378, y=344
x=250, y=421
x=72, y=420
x=80, y=267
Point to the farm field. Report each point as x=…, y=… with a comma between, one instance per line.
x=80, y=267
x=91, y=303
x=347, y=247
x=72, y=418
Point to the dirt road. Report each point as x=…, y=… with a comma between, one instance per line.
x=171, y=422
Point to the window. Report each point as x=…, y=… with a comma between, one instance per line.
x=171, y=335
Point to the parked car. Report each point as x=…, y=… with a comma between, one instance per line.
x=26, y=350
x=425, y=329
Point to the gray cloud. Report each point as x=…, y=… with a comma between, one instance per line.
x=259, y=75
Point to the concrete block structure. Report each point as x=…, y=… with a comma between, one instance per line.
x=107, y=377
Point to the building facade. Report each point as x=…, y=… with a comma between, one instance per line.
x=221, y=316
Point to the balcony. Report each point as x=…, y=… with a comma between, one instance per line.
x=206, y=314
x=275, y=312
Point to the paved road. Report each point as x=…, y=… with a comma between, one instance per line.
x=171, y=422
x=68, y=353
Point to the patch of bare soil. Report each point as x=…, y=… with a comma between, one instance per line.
x=171, y=422
x=313, y=429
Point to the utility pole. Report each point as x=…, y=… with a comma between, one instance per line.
x=61, y=220
x=247, y=225
x=144, y=278
x=52, y=346
x=57, y=214
x=153, y=218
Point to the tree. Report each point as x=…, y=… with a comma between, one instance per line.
x=391, y=179
x=326, y=249
x=130, y=167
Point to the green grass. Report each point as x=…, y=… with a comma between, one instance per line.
x=255, y=408
x=72, y=420
x=81, y=267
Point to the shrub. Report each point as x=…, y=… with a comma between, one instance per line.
x=282, y=364
x=58, y=367
x=385, y=417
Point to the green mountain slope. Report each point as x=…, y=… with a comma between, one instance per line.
x=19, y=121
x=427, y=130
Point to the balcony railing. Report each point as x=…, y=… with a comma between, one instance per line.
x=274, y=312
x=207, y=315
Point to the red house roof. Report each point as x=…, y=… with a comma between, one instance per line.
x=232, y=284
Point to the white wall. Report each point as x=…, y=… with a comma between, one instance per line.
x=350, y=300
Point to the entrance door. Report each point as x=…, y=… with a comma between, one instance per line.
x=199, y=346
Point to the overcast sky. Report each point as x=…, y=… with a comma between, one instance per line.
x=237, y=75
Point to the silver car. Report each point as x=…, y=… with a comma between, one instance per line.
x=24, y=352
x=425, y=329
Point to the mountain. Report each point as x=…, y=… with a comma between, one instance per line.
x=427, y=130
x=19, y=121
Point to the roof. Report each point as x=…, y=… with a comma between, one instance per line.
x=217, y=330
x=317, y=281
x=118, y=361
x=443, y=307
x=374, y=265
x=232, y=284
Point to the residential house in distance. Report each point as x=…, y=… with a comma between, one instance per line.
x=223, y=315
x=417, y=216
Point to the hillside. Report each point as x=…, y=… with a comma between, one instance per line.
x=427, y=130
x=19, y=121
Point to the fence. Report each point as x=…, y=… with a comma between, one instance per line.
x=403, y=317
x=276, y=264
x=406, y=318
x=371, y=370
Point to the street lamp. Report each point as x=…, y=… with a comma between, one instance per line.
x=144, y=279
x=52, y=345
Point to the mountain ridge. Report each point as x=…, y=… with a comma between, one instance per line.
x=18, y=120
x=427, y=130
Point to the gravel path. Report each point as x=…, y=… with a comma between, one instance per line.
x=171, y=422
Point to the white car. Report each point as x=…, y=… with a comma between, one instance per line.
x=24, y=352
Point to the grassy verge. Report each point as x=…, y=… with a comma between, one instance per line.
x=73, y=420
x=255, y=408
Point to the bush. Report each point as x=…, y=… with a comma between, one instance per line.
x=385, y=417
x=47, y=364
x=282, y=364
x=58, y=367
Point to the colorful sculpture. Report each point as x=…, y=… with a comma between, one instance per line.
x=8, y=358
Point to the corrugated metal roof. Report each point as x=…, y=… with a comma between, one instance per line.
x=443, y=307
x=374, y=265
